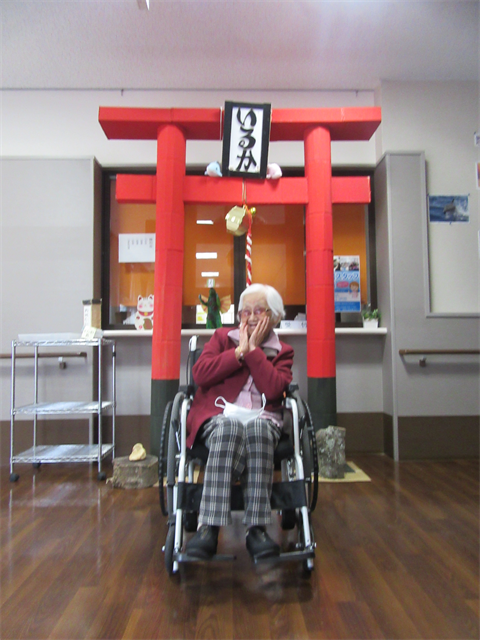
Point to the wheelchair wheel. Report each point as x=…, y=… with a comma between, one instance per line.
x=168, y=549
x=162, y=458
x=308, y=563
x=170, y=424
x=172, y=463
x=310, y=456
x=308, y=566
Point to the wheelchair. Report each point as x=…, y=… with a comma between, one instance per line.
x=295, y=486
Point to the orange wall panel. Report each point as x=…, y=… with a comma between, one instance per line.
x=278, y=245
x=278, y=235
x=349, y=239
x=129, y=280
x=206, y=238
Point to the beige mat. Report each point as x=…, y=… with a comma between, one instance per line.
x=352, y=474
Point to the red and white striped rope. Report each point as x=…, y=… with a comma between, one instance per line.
x=248, y=253
x=248, y=246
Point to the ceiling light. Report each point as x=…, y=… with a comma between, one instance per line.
x=204, y=221
x=143, y=4
x=206, y=256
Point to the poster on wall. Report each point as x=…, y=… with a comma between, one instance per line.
x=448, y=209
x=346, y=274
x=477, y=174
x=136, y=247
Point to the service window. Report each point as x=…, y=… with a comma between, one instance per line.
x=213, y=257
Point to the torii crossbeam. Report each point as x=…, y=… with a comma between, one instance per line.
x=170, y=189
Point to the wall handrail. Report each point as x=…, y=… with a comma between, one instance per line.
x=442, y=352
x=423, y=353
x=66, y=354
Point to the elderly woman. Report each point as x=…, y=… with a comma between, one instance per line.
x=250, y=368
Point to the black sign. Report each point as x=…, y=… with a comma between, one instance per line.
x=246, y=135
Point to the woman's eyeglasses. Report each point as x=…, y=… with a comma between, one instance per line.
x=258, y=311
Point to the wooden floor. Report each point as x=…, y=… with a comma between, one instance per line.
x=397, y=557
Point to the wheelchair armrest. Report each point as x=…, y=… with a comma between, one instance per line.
x=187, y=389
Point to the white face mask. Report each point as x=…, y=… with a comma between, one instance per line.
x=240, y=413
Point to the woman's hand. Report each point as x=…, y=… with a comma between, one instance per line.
x=259, y=334
x=243, y=347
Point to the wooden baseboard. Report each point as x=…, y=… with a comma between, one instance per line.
x=129, y=430
x=426, y=437
x=419, y=437
x=364, y=432
x=438, y=437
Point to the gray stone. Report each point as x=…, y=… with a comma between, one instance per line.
x=135, y=474
x=331, y=452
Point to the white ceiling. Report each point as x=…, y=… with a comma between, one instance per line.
x=236, y=44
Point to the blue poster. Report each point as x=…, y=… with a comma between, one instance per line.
x=346, y=274
x=448, y=209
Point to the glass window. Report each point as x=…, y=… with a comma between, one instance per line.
x=208, y=262
x=214, y=257
x=213, y=254
x=131, y=229
x=278, y=253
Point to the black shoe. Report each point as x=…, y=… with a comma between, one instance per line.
x=260, y=545
x=203, y=545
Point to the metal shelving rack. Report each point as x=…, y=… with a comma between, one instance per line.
x=39, y=454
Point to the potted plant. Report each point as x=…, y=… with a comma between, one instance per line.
x=371, y=318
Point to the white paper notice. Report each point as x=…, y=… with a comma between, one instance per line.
x=136, y=247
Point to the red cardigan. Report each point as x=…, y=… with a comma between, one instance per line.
x=218, y=373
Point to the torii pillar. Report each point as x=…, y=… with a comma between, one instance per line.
x=170, y=189
x=321, y=368
x=168, y=283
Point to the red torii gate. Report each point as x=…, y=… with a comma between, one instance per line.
x=171, y=188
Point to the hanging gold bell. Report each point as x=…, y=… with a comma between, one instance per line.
x=234, y=219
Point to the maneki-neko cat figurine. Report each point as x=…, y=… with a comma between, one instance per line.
x=144, y=313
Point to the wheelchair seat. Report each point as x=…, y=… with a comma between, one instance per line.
x=283, y=450
x=294, y=497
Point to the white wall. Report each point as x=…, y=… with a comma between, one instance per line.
x=440, y=119
x=47, y=244
x=47, y=268
x=448, y=385
x=52, y=124
x=359, y=372
x=65, y=124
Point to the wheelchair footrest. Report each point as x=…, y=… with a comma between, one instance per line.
x=288, y=556
x=219, y=557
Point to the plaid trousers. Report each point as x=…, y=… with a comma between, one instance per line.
x=238, y=450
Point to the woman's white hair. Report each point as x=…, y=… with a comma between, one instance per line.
x=273, y=298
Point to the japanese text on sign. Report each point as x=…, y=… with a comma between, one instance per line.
x=346, y=275
x=245, y=146
x=246, y=139
x=136, y=247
